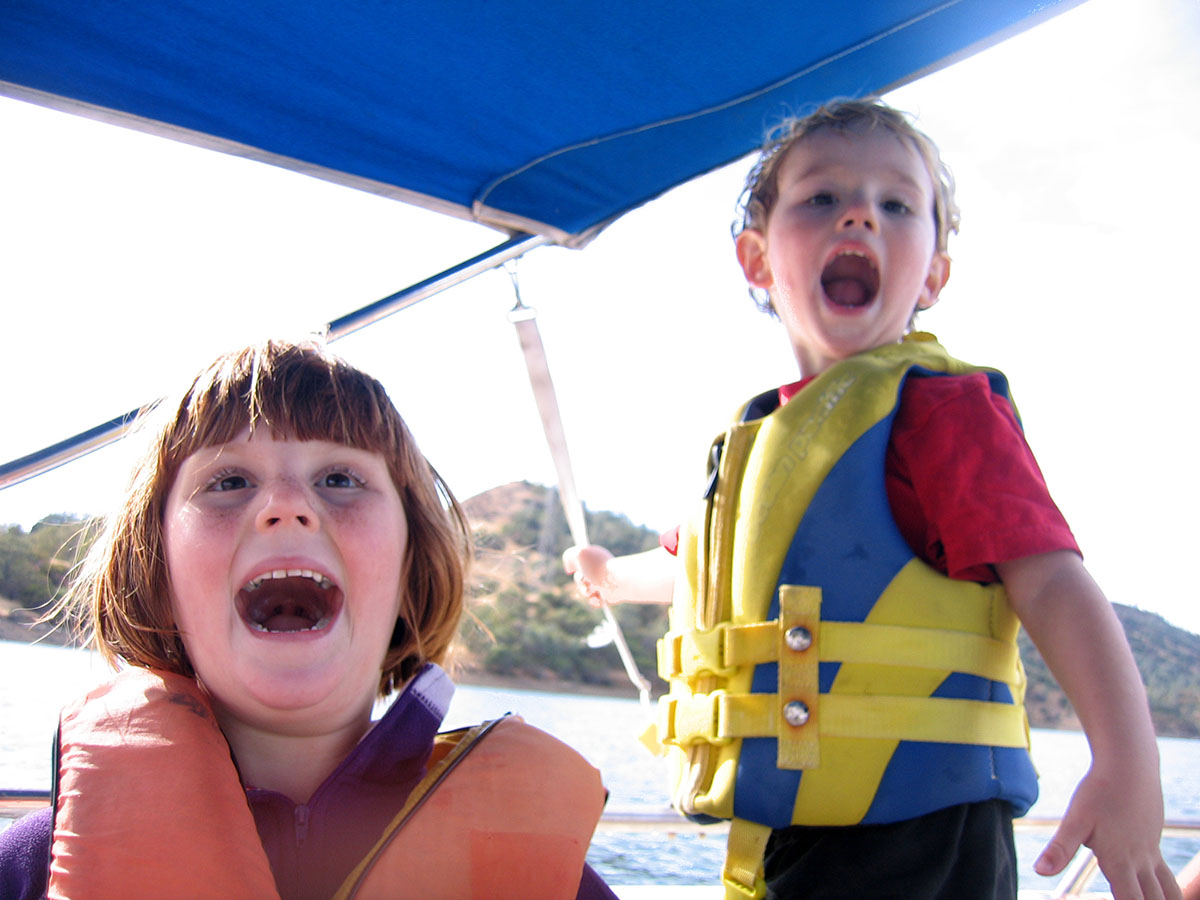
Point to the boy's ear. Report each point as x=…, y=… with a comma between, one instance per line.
x=751, y=248
x=935, y=280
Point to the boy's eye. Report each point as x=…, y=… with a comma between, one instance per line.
x=821, y=198
x=897, y=207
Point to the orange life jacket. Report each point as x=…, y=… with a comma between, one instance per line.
x=149, y=805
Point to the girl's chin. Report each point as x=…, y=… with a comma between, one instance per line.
x=263, y=689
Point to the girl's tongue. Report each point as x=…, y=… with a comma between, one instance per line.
x=288, y=604
x=850, y=280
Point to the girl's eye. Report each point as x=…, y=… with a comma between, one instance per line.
x=897, y=207
x=339, y=478
x=228, y=482
x=821, y=198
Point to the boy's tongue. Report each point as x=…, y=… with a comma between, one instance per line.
x=846, y=292
x=850, y=280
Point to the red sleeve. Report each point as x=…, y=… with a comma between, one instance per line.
x=963, y=484
x=669, y=541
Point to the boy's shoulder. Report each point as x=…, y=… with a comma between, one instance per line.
x=968, y=397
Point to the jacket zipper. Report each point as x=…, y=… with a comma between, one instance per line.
x=301, y=820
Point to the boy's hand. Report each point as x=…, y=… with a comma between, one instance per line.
x=1117, y=809
x=1123, y=831
x=589, y=565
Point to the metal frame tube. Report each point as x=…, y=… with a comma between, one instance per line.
x=65, y=451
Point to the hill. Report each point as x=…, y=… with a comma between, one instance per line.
x=523, y=617
x=524, y=620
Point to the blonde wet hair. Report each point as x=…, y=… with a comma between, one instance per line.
x=120, y=597
x=761, y=190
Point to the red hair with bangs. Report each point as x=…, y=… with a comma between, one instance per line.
x=300, y=391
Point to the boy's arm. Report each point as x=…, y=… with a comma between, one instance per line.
x=646, y=577
x=1117, y=808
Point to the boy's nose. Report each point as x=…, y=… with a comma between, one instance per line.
x=286, y=503
x=862, y=221
x=858, y=214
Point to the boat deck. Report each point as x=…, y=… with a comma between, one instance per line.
x=1074, y=882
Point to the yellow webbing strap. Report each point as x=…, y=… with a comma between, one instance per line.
x=726, y=647
x=743, y=872
x=923, y=648
x=798, y=747
x=720, y=717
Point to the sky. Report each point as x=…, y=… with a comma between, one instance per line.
x=128, y=261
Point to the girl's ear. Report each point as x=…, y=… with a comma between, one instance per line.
x=935, y=280
x=751, y=248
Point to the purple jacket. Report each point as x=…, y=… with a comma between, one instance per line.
x=311, y=846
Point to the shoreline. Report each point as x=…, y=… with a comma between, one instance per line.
x=477, y=678
x=468, y=676
x=28, y=633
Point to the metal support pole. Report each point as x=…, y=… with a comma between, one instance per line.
x=525, y=321
x=72, y=448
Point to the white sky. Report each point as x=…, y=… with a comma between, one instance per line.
x=127, y=262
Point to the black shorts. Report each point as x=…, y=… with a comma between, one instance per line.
x=961, y=853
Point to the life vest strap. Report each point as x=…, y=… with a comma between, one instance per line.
x=721, y=718
x=743, y=872
x=449, y=751
x=724, y=649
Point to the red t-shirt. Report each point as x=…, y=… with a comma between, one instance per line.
x=963, y=485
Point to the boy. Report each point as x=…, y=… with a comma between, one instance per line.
x=844, y=679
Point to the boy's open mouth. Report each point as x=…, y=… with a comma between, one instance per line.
x=850, y=279
x=289, y=600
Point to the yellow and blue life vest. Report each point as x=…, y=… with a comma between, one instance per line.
x=820, y=673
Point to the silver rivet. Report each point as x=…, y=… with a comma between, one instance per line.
x=795, y=713
x=798, y=638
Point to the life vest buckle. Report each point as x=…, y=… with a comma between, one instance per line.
x=696, y=719
x=690, y=653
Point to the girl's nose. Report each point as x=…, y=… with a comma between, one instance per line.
x=286, y=503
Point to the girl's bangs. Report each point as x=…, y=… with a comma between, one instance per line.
x=297, y=393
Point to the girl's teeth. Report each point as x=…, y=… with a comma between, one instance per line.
x=320, y=579
x=317, y=626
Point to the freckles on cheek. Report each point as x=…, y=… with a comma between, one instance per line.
x=194, y=544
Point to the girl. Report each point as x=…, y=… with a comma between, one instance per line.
x=286, y=554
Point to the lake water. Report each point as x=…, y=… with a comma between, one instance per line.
x=37, y=680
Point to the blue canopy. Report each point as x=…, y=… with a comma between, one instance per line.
x=551, y=118
x=545, y=120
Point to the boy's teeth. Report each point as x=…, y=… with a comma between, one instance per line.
x=320, y=579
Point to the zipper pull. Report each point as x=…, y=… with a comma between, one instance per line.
x=301, y=819
x=714, y=467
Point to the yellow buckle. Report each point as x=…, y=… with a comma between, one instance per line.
x=734, y=888
x=690, y=653
x=693, y=720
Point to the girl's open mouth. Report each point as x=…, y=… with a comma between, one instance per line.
x=289, y=601
x=850, y=279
